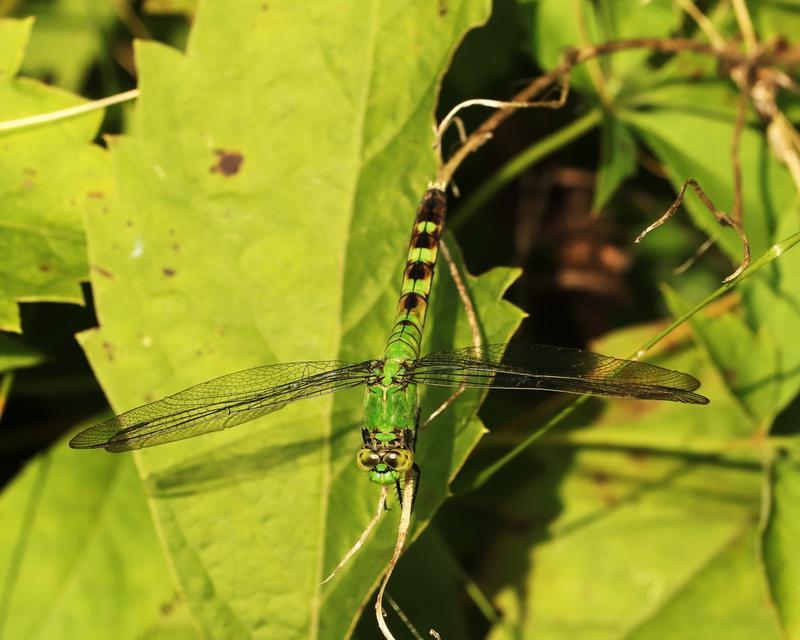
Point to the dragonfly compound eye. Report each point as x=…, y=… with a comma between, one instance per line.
x=399, y=459
x=366, y=459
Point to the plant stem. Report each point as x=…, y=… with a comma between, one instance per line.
x=70, y=112
x=519, y=163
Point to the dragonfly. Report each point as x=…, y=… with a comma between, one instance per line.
x=391, y=400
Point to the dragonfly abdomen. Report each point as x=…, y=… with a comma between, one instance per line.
x=406, y=337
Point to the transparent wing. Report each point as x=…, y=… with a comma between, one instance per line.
x=221, y=403
x=547, y=368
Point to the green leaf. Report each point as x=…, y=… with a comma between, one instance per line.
x=79, y=27
x=775, y=20
x=579, y=23
x=698, y=146
x=747, y=359
x=15, y=354
x=14, y=36
x=779, y=541
x=617, y=160
x=623, y=19
x=555, y=29
x=622, y=536
x=78, y=554
x=724, y=599
x=262, y=215
x=609, y=543
x=49, y=176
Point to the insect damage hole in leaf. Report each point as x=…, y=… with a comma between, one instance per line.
x=228, y=162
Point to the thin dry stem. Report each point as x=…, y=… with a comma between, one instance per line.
x=472, y=319
x=70, y=112
x=741, y=113
x=745, y=25
x=399, y=545
x=720, y=217
x=403, y=617
x=364, y=535
x=706, y=26
x=686, y=264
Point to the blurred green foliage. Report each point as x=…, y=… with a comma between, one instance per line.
x=635, y=520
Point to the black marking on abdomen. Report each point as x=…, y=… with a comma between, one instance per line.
x=425, y=240
x=418, y=271
x=410, y=301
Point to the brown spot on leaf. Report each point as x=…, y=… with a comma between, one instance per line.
x=175, y=246
x=95, y=195
x=109, y=349
x=129, y=223
x=28, y=171
x=442, y=8
x=168, y=272
x=44, y=268
x=228, y=162
x=102, y=271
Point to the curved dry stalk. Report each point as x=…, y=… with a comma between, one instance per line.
x=741, y=113
x=483, y=133
x=500, y=104
x=399, y=546
x=720, y=217
x=472, y=319
x=364, y=535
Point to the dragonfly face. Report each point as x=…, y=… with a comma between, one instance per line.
x=385, y=466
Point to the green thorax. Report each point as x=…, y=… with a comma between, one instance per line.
x=390, y=403
x=423, y=250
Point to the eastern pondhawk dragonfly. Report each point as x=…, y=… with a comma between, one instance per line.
x=391, y=405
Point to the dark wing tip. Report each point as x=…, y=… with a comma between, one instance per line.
x=99, y=436
x=696, y=398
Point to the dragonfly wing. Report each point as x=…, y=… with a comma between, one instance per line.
x=548, y=368
x=221, y=403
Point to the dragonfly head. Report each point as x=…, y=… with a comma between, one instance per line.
x=385, y=466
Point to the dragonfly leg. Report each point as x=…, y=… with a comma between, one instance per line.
x=416, y=474
x=399, y=490
x=365, y=436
